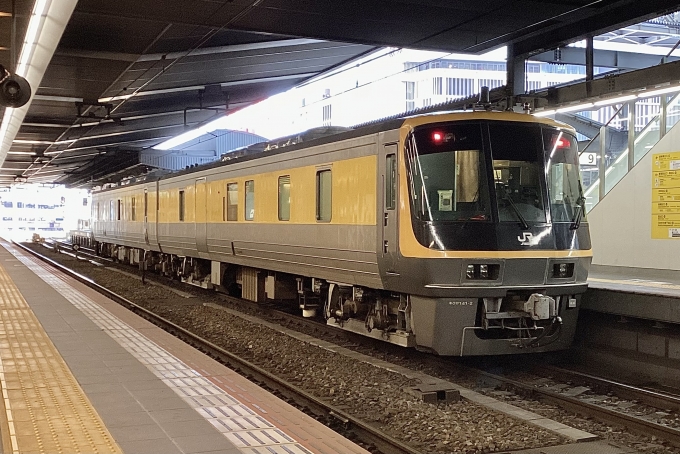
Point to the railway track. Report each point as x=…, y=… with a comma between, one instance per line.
x=653, y=398
x=596, y=407
x=363, y=431
x=528, y=387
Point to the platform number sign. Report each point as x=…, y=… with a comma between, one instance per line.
x=587, y=159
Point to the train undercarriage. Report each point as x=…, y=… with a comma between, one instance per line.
x=519, y=320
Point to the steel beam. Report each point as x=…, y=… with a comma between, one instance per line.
x=602, y=58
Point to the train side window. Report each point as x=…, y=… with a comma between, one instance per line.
x=250, y=200
x=390, y=181
x=133, y=212
x=284, y=198
x=323, y=196
x=232, y=202
x=181, y=205
x=112, y=211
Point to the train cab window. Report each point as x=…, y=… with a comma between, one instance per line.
x=564, y=185
x=447, y=174
x=284, y=198
x=517, y=166
x=390, y=181
x=323, y=195
x=250, y=200
x=133, y=212
x=232, y=202
x=181, y=205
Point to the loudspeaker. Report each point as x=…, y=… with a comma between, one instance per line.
x=15, y=91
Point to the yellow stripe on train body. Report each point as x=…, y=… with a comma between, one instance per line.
x=353, y=196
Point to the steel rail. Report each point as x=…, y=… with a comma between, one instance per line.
x=361, y=429
x=639, y=425
x=655, y=399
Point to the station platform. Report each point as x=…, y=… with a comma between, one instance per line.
x=634, y=292
x=79, y=373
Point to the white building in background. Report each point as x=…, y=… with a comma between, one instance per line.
x=50, y=211
x=388, y=82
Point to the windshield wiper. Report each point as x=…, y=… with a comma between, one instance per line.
x=522, y=221
x=576, y=221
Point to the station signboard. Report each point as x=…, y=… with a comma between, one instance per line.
x=666, y=195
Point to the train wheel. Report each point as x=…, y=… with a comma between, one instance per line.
x=332, y=302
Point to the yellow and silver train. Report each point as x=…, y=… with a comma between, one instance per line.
x=458, y=233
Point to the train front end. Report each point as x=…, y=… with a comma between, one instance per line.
x=493, y=241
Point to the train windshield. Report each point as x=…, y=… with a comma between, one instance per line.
x=517, y=153
x=447, y=174
x=564, y=186
x=532, y=166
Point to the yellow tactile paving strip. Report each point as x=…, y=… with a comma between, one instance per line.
x=45, y=410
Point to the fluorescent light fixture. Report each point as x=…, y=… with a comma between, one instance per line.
x=661, y=91
x=60, y=169
x=545, y=113
x=115, y=98
x=31, y=153
x=575, y=108
x=27, y=49
x=189, y=135
x=43, y=142
x=85, y=155
x=619, y=100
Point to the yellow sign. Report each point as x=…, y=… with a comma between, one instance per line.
x=666, y=195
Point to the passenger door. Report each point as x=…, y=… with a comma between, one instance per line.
x=157, y=198
x=201, y=214
x=390, y=201
x=146, y=216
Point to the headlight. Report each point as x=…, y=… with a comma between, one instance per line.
x=470, y=272
x=563, y=270
x=487, y=272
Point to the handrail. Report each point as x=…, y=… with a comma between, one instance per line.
x=605, y=125
x=673, y=102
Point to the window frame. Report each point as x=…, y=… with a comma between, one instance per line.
x=182, y=204
x=248, y=217
x=319, y=172
x=228, y=204
x=390, y=181
x=279, y=197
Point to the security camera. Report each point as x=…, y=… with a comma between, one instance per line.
x=14, y=89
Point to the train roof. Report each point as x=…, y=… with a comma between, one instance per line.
x=324, y=135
